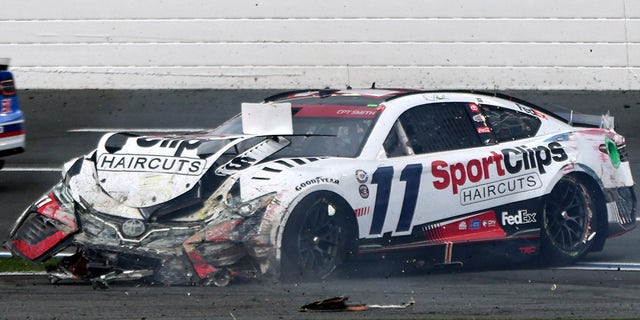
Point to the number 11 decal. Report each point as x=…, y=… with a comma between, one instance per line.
x=383, y=177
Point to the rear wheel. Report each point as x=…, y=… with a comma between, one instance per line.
x=317, y=239
x=569, y=221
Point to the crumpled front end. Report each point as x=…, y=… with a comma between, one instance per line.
x=234, y=243
x=231, y=243
x=202, y=234
x=44, y=228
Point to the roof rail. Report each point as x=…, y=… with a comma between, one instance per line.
x=488, y=94
x=286, y=94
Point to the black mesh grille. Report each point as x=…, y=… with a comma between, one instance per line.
x=35, y=229
x=624, y=154
x=626, y=202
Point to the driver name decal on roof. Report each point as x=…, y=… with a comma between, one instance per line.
x=508, y=161
x=330, y=111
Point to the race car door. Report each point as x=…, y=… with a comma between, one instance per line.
x=405, y=186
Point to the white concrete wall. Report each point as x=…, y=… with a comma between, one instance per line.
x=483, y=44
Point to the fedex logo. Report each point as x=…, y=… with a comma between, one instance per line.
x=521, y=217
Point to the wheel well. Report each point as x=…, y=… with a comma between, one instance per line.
x=595, y=190
x=343, y=213
x=341, y=203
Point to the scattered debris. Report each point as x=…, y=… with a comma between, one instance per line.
x=340, y=304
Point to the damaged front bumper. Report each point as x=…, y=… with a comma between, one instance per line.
x=232, y=242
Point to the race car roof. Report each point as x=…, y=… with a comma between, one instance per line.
x=374, y=97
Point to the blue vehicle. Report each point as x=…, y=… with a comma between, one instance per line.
x=12, y=133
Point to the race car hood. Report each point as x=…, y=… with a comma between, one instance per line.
x=142, y=171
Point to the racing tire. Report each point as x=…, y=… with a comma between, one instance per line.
x=318, y=238
x=568, y=222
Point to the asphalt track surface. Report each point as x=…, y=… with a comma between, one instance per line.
x=65, y=124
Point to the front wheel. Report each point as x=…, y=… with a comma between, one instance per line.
x=569, y=221
x=317, y=238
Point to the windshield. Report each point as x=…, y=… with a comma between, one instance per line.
x=314, y=136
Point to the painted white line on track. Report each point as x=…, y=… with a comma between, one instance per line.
x=6, y=254
x=19, y=169
x=23, y=273
x=603, y=266
x=138, y=129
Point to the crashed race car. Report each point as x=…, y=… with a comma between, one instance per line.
x=302, y=183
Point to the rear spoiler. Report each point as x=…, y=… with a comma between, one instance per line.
x=605, y=121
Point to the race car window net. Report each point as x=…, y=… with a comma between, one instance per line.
x=432, y=128
x=509, y=125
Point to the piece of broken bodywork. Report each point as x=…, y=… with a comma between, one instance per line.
x=340, y=304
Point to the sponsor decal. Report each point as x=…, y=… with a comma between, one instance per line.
x=362, y=211
x=316, y=180
x=488, y=223
x=364, y=191
x=116, y=142
x=147, y=163
x=240, y=163
x=507, y=161
x=6, y=105
x=362, y=176
x=478, y=118
x=521, y=217
x=531, y=111
x=500, y=188
x=528, y=249
x=474, y=108
x=484, y=129
x=180, y=145
x=479, y=226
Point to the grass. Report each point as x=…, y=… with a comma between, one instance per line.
x=15, y=264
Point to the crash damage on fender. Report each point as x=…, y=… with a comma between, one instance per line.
x=299, y=184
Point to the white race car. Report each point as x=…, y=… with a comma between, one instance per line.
x=306, y=180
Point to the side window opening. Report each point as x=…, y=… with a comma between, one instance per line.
x=509, y=125
x=432, y=128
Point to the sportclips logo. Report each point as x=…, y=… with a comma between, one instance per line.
x=176, y=164
x=509, y=162
x=146, y=163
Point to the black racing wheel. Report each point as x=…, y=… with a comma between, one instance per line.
x=568, y=221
